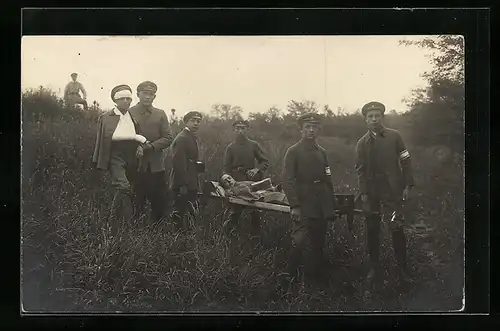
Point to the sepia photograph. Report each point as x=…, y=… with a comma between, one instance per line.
x=270, y=173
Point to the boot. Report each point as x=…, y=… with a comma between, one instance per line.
x=255, y=229
x=399, y=245
x=373, y=238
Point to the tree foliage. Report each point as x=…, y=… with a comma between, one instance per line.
x=227, y=112
x=438, y=111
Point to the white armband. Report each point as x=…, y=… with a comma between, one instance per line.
x=403, y=155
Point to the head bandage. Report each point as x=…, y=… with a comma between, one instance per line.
x=122, y=94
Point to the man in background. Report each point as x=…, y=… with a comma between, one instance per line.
x=153, y=124
x=184, y=173
x=240, y=163
x=72, y=93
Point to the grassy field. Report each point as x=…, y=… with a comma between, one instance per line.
x=69, y=263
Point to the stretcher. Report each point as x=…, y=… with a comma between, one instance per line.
x=213, y=190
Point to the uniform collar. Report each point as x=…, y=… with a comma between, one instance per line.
x=145, y=108
x=309, y=143
x=118, y=112
x=241, y=139
x=381, y=133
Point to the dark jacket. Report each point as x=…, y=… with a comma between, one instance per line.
x=307, y=180
x=184, y=158
x=387, y=166
x=153, y=124
x=240, y=156
x=106, y=126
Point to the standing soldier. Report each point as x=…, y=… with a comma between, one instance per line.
x=309, y=189
x=239, y=162
x=184, y=174
x=116, y=150
x=153, y=124
x=383, y=166
x=72, y=92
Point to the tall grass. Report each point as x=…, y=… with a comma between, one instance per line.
x=70, y=262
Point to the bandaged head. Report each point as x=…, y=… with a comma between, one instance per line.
x=121, y=91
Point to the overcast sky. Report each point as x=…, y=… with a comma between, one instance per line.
x=253, y=72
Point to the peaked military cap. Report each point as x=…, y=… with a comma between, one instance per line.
x=147, y=86
x=374, y=105
x=120, y=88
x=192, y=114
x=74, y=74
x=309, y=118
x=241, y=123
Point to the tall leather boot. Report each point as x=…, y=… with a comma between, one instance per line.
x=399, y=245
x=373, y=242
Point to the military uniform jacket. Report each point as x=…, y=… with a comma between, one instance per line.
x=307, y=180
x=184, y=157
x=240, y=157
x=153, y=124
x=386, y=165
x=106, y=126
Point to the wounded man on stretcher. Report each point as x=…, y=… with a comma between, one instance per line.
x=262, y=191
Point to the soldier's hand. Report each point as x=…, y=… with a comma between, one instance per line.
x=406, y=193
x=364, y=198
x=252, y=172
x=139, y=152
x=183, y=190
x=147, y=147
x=295, y=213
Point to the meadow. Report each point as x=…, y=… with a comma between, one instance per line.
x=69, y=263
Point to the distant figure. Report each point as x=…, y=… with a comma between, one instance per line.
x=72, y=93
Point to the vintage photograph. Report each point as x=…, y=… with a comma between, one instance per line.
x=243, y=173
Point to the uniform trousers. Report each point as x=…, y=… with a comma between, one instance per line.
x=384, y=204
x=184, y=205
x=123, y=169
x=308, y=240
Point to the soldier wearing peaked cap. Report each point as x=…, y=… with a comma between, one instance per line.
x=72, y=92
x=383, y=166
x=184, y=173
x=244, y=160
x=154, y=125
x=308, y=186
x=116, y=150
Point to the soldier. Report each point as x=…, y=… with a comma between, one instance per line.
x=116, y=149
x=385, y=180
x=239, y=162
x=184, y=173
x=309, y=189
x=72, y=92
x=153, y=124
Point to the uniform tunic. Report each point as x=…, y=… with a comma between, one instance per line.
x=383, y=166
x=307, y=180
x=240, y=157
x=184, y=158
x=153, y=124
